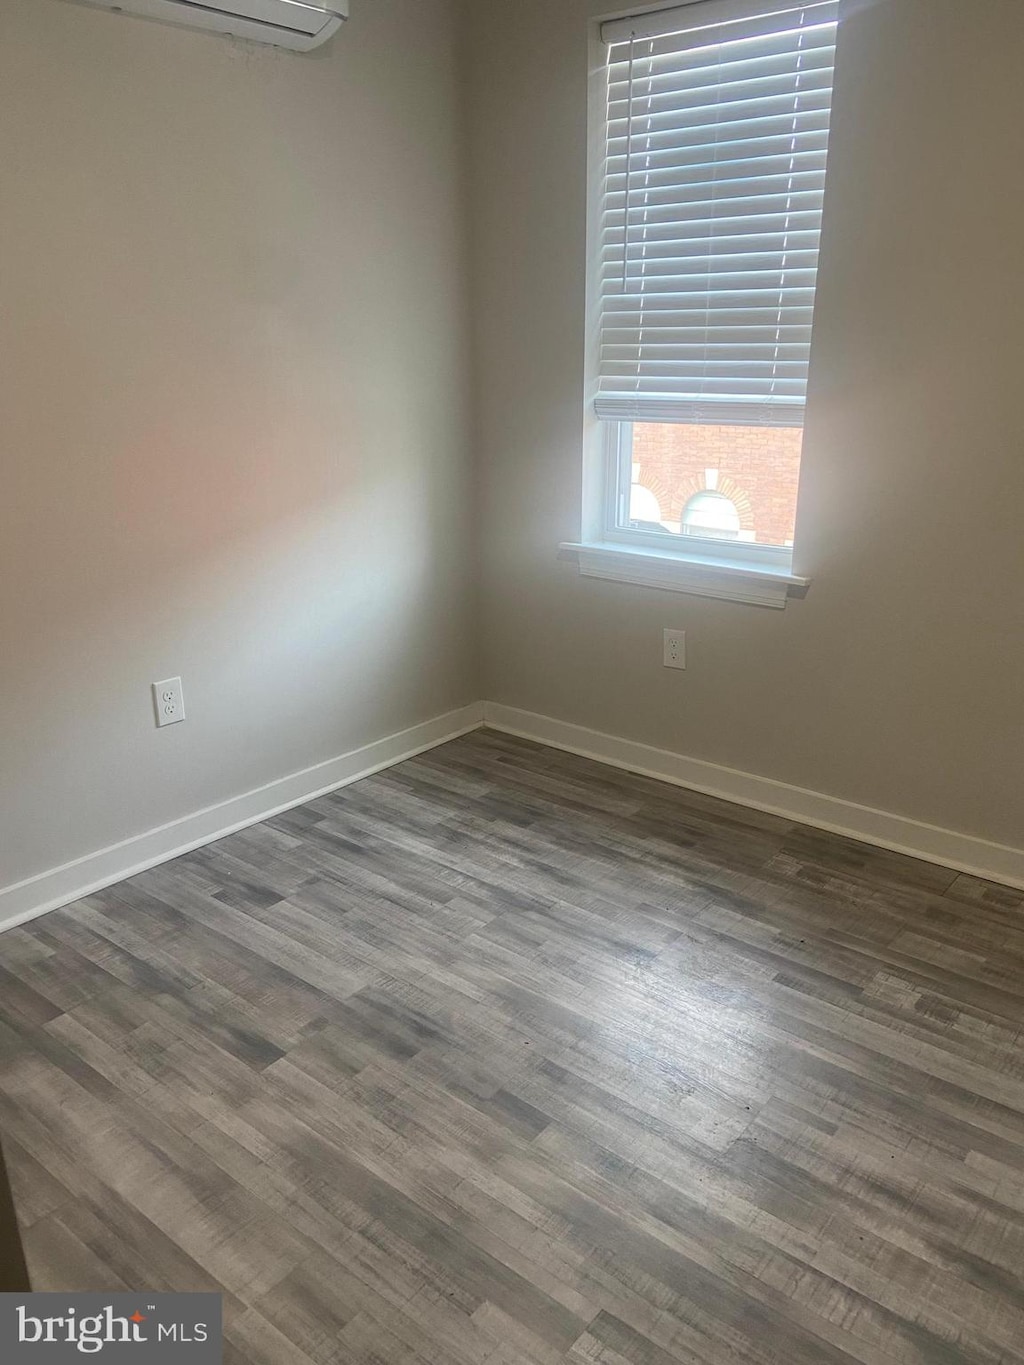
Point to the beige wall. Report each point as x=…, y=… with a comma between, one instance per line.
x=232, y=418
x=898, y=682
x=233, y=387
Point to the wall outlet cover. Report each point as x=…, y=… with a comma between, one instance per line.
x=169, y=702
x=675, y=649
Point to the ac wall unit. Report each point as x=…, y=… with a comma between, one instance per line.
x=294, y=24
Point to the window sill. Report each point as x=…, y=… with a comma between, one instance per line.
x=730, y=580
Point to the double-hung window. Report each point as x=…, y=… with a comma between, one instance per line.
x=712, y=182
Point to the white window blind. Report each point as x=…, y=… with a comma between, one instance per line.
x=718, y=117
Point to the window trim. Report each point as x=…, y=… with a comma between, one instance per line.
x=756, y=574
x=720, y=576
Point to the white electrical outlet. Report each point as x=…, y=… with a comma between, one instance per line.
x=675, y=649
x=169, y=701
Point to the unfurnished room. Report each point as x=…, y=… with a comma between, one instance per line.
x=512, y=682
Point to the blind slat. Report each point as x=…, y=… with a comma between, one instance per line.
x=767, y=226
x=683, y=18
x=707, y=246
x=676, y=206
x=716, y=153
x=766, y=130
x=751, y=334
x=736, y=159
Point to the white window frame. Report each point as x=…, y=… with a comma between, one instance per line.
x=739, y=571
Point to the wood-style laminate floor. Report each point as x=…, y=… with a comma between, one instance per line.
x=503, y=1056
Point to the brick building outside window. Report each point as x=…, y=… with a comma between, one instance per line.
x=750, y=473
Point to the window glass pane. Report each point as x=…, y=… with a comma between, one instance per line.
x=714, y=483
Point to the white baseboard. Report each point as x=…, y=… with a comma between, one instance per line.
x=61, y=885
x=960, y=852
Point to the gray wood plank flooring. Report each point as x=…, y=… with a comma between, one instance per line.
x=503, y=1056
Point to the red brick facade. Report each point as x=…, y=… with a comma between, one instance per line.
x=756, y=467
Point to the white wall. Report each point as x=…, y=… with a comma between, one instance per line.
x=898, y=682
x=232, y=390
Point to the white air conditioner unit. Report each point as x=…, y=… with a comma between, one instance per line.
x=294, y=24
